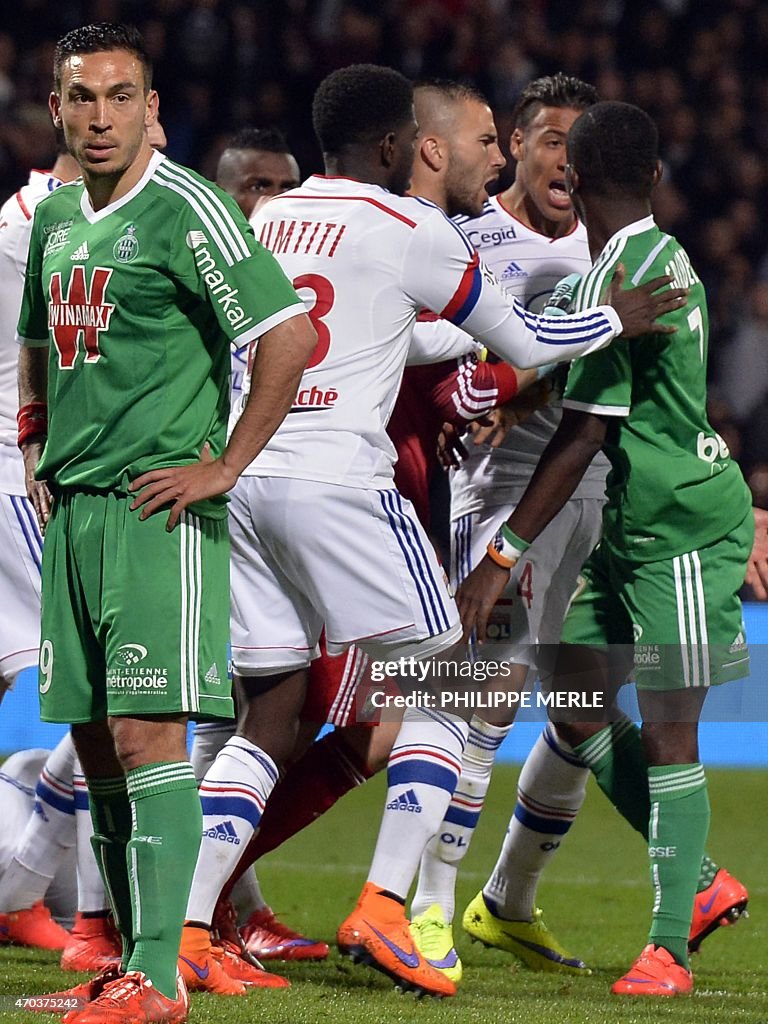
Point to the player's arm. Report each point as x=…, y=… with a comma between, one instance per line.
x=32, y=417
x=281, y=356
x=33, y=425
x=757, y=567
x=443, y=272
x=564, y=462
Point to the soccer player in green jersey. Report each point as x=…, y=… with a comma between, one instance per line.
x=661, y=590
x=140, y=277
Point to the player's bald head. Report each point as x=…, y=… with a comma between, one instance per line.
x=436, y=104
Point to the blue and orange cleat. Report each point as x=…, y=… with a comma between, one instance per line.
x=376, y=933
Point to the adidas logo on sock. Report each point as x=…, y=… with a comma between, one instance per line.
x=513, y=270
x=407, y=801
x=224, y=831
x=81, y=252
x=212, y=675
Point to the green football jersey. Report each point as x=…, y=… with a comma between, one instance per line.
x=673, y=487
x=140, y=303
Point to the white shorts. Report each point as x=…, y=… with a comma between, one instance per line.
x=21, y=548
x=533, y=606
x=308, y=554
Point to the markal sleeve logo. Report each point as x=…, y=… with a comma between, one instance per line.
x=220, y=291
x=131, y=654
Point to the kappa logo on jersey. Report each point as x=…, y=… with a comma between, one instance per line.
x=407, y=801
x=81, y=253
x=225, y=294
x=514, y=270
x=82, y=312
x=131, y=654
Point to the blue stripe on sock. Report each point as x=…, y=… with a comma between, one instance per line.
x=408, y=772
x=538, y=824
x=232, y=806
x=81, y=800
x=442, y=719
x=457, y=816
x=46, y=795
x=550, y=738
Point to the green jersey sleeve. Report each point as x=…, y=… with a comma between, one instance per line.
x=33, y=318
x=218, y=258
x=601, y=382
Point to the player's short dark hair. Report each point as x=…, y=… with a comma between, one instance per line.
x=269, y=140
x=450, y=90
x=614, y=147
x=101, y=37
x=360, y=103
x=557, y=90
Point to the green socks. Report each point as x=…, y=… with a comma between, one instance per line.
x=162, y=853
x=111, y=816
x=615, y=757
x=679, y=823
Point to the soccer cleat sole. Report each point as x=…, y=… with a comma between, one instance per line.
x=732, y=916
x=360, y=955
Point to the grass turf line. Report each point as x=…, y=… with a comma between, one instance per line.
x=596, y=897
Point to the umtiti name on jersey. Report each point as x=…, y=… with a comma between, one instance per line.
x=314, y=238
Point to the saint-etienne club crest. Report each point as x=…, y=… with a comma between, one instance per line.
x=126, y=248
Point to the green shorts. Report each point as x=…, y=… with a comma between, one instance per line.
x=673, y=624
x=135, y=620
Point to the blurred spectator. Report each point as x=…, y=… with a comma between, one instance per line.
x=697, y=66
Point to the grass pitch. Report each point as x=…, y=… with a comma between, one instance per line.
x=596, y=897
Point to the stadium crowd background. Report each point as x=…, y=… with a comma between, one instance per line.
x=697, y=66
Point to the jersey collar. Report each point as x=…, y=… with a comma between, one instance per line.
x=94, y=216
x=637, y=227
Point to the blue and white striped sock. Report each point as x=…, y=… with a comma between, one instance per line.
x=48, y=834
x=233, y=794
x=446, y=850
x=422, y=772
x=551, y=790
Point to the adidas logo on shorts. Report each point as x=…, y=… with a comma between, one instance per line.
x=212, y=675
x=407, y=801
x=224, y=831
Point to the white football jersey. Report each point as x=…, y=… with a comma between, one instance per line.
x=366, y=262
x=15, y=228
x=528, y=265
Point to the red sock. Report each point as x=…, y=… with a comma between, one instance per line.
x=311, y=786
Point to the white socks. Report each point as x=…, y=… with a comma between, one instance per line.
x=422, y=772
x=551, y=790
x=233, y=794
x=446, y=850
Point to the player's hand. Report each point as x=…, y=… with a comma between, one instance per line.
x=180, y=486
x=493, y=428
x=477, y=596
x=37, y=490
x=639, y=308
x=450, y=447
x=757, y=567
